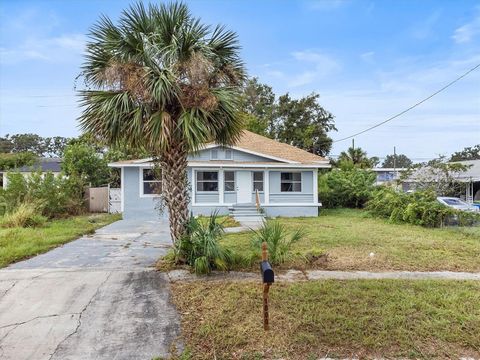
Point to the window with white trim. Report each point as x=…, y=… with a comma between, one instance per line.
x=258, y=181
x=229, y=181
x=291, y=182
x=207, y=181
x=151, y=184
x=228, y=154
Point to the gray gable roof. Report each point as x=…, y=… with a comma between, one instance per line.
x=44, y=165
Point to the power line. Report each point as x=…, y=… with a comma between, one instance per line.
x=411, y=107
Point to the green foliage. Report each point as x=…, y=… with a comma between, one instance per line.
x=199, y=247
x=347, y=187
x=25, y=215
x=356, y=157
x=16, y=160
x=278, y=239
x=468, y=153
x=397, y=161
x=52, y=196
x=82, y=160
x=189, y=97
x=40, y=146
x=417, y=208
x=302, y=122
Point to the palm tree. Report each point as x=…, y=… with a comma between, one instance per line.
x=162, y=81
x=357, y=157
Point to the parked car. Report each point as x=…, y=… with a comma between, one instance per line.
x=457, y=204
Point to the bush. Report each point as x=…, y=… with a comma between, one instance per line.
x=200, y=249
x=418, y=208
x=277, y=239
x=25, y=215
x=53, y=196
x=347, y=187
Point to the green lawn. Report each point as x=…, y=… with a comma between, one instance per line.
x=347, y=237
x=364, y=318
x=225, y=220
x=20, y=243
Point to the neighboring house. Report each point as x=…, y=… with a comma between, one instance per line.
x=52, y=165
x=471, y=178
x=222, y=178
x=386, y=175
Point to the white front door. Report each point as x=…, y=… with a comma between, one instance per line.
x=244, y=187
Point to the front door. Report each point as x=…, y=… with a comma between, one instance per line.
x=244, y=187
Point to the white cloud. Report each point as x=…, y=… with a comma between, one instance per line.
x=318, y=65
x=368, y=56
x=467, y=32
x=64, y=48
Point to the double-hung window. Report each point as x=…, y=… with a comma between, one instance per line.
x=258, y=181
x=291, y=182
x=207, y=181
x=229, y=180
x=151, y=184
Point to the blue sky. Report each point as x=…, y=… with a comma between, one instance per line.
x=367, y=59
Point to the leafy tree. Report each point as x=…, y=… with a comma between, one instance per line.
x=54, y=146
x=301, y=122
x=258, y=106
x=28, y=143
x=82, y=160
x=398, y=161
x=356, y=157
x=304, y=123
x=6, y=145
x=468, y=153
x=163, y=81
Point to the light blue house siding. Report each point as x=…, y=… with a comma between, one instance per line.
x=138, y=206
x=227, y=154
x=302, y=201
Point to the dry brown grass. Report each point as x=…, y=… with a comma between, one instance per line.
x=365, y=319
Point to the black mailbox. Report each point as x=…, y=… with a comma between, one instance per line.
x=267, y=272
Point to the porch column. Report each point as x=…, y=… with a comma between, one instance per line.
x=315, y=186
x=266, y=187
x=221, y=188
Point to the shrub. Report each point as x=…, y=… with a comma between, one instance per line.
x=347, y=187
x=53, y=196
x=278, y=240
x=25, y=215
x=200, y=249
x=418, y=208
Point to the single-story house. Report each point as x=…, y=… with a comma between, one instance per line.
x=53, y=165
x=223, y=178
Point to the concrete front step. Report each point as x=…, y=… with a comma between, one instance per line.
x=249, y=219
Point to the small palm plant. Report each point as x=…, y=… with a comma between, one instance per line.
x=279, y=241
x=199, y=246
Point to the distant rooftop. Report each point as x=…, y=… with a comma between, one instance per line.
x=44, y=165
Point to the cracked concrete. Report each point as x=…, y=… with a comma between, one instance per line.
x=94, y=298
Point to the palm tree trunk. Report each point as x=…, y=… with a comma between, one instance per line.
x=173, y=163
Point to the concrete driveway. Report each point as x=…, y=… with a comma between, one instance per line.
x=95, y=298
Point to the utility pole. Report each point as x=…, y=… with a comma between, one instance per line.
x=394, y=158
x=353, y=144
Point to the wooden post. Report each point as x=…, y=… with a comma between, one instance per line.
x=266, y=287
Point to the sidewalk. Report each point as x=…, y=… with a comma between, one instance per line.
x=310, y=275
